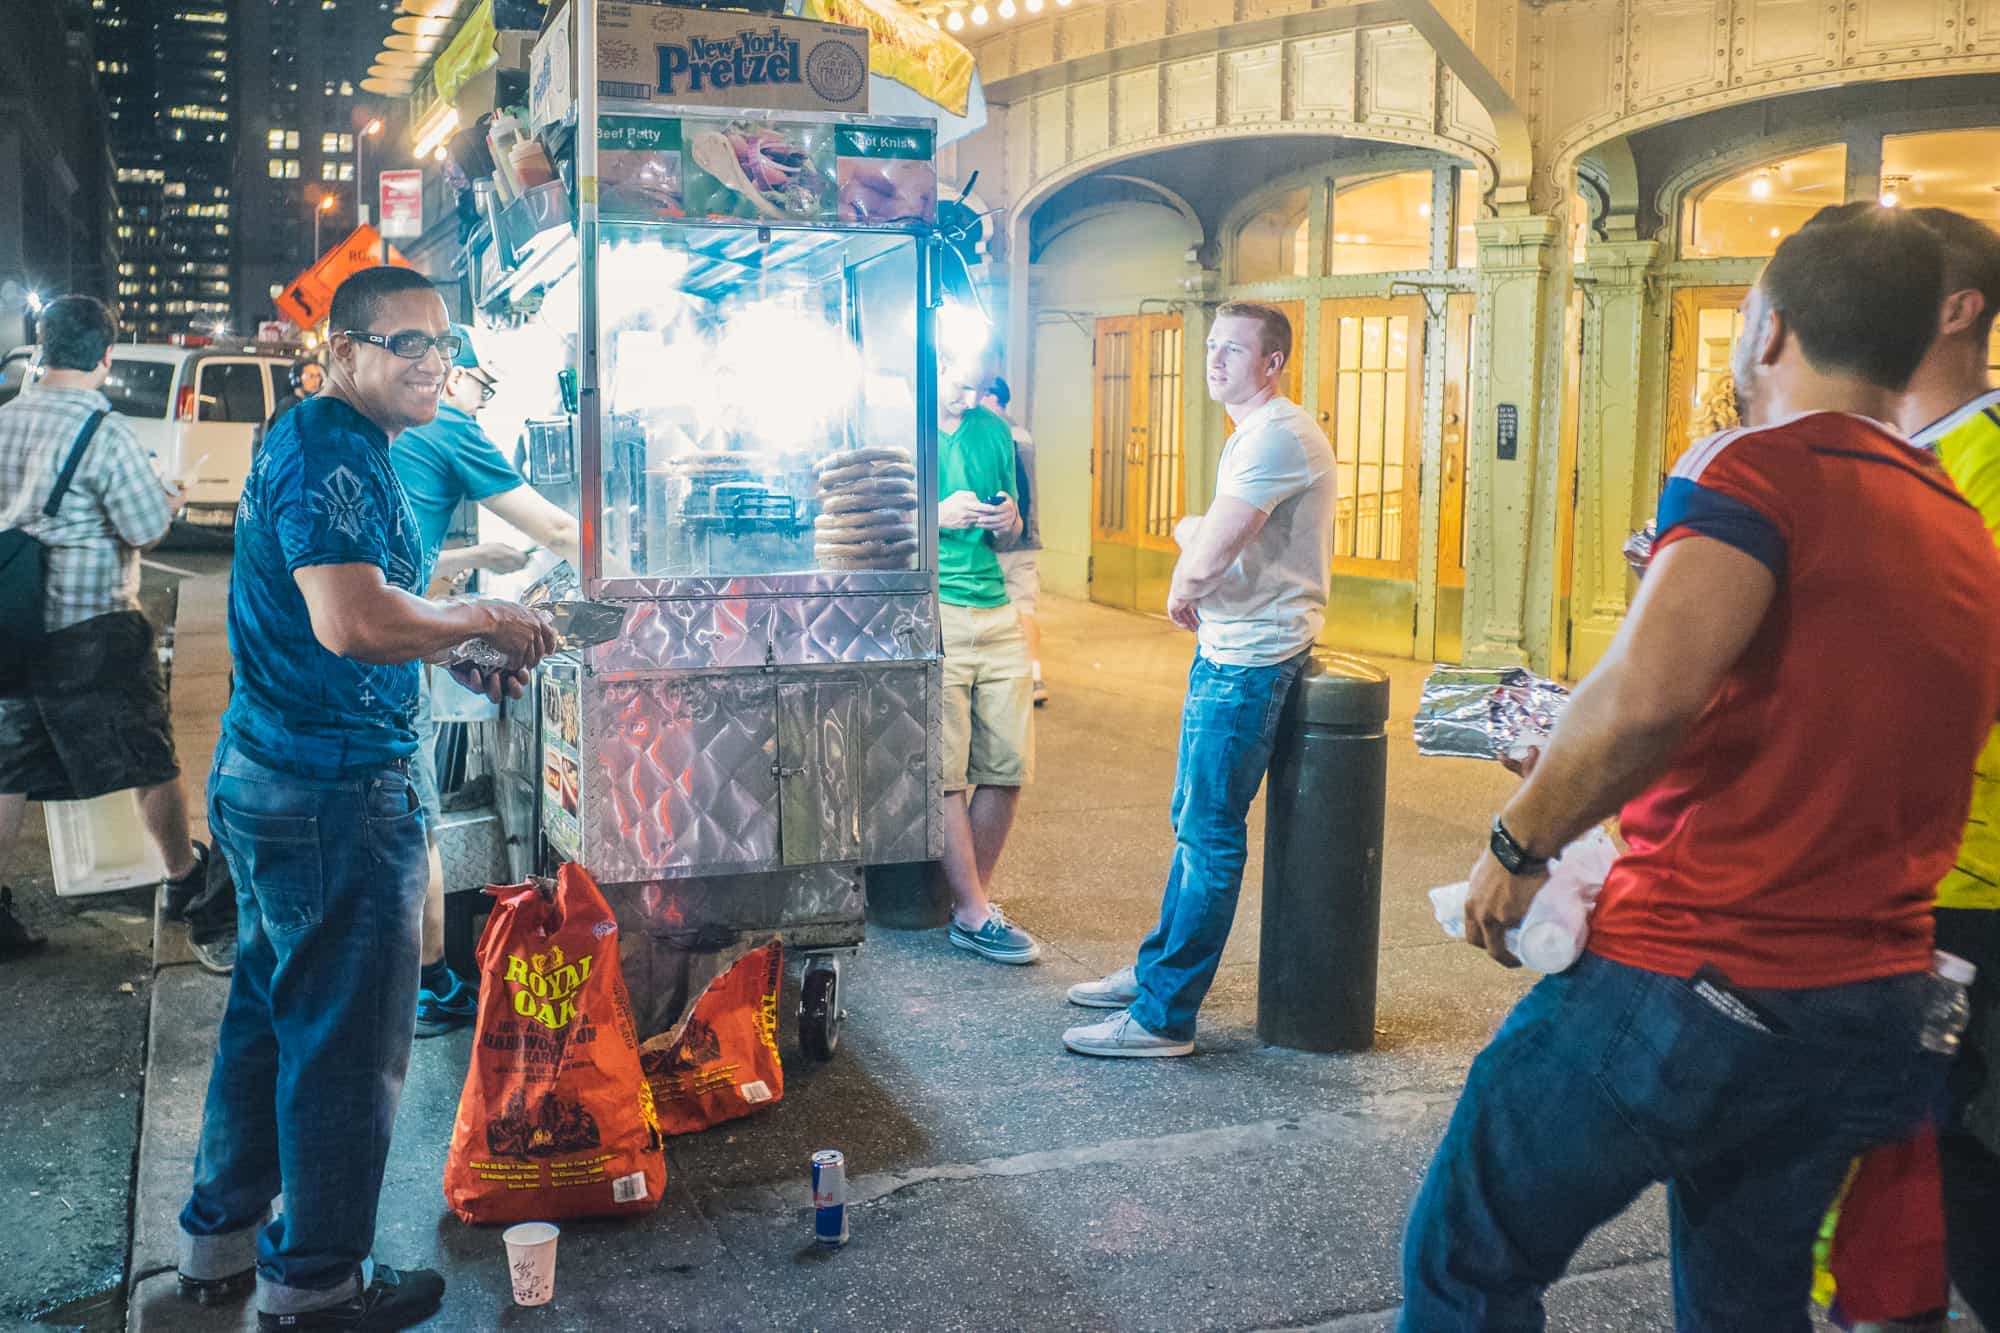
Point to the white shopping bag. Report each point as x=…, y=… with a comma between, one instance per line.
x=1550, y=937
x=100, y=845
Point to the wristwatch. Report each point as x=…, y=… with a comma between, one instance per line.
x=1516, y=859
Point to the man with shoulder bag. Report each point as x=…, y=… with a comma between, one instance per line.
x=83, y=706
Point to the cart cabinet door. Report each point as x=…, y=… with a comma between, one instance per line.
x=819, y=767
x=902, y=759
x=689, y=773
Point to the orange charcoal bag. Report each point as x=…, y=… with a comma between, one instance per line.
x=555, y=1120
x=721, y=1062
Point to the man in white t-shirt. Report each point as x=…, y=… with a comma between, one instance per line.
x=1252, y=584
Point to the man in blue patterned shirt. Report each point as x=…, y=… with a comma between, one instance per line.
x=310, y=800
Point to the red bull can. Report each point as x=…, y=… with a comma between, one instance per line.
x=829, y=1185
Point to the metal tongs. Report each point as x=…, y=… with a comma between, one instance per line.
x=578, y=624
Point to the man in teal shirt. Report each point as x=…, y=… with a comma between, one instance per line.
x=989, y=707
x=441, y=465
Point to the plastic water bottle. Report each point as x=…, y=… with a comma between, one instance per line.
x=1950, y=1006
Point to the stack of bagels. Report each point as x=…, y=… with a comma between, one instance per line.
x=867, y=510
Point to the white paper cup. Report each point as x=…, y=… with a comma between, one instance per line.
x=531, y=1261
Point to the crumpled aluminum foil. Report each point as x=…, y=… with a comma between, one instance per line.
x=1485, y=712
x=1638, y=549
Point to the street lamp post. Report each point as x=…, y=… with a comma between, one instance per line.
x=373, y=127
x=320, y=210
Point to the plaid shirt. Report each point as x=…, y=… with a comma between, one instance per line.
x=115, y=505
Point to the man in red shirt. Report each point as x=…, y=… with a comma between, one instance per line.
x=1788, y=718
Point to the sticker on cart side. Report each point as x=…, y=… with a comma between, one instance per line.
x=885, y=174
x=639, y=168
x=562, y=764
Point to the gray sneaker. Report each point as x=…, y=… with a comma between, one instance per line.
x=1123, y=1036
x=217, y=956
x=997, y=939
x=1112, y=992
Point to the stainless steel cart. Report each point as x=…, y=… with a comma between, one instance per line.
x=768, y=721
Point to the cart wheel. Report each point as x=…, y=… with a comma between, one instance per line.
x=820, y=1013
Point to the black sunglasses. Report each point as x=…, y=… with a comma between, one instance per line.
x=487, y=388
x=411, y=345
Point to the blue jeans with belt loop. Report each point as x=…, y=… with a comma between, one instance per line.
x=1607, y=1078
x=1229, y=725
x=315, y=1041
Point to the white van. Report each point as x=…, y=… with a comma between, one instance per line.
x=197, y=411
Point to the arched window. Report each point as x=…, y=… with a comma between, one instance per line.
x=1382, y=225
x=1750, y=212
x=1273, y=243
x=1952, y=169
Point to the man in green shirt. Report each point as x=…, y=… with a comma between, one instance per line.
x=988, y=689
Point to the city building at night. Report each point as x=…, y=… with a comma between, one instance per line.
x=164, y=67
x=298, y=66
x=59, y=236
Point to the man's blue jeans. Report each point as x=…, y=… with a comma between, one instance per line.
x=1607, y=1078
x=1228, y=725
x=315, y=1040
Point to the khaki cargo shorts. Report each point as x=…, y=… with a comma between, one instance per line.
x=989, y=699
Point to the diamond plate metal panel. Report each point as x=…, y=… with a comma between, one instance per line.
x=745, y=631
x=688, y=633
x=829, y=582
x=818, y=769
x=901, y=764
x=681, y=776
x=473, y=849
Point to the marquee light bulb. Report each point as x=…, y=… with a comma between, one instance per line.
x=1760, y=185
x=979, y=16
x=954, y=20
x=1034, y=6
x=1006, y=9
x=932, y=20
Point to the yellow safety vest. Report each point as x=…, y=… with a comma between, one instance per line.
x=1968, y=444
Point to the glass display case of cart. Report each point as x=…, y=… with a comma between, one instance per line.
x=764, y=343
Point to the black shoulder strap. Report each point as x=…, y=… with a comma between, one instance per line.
x=75, y=457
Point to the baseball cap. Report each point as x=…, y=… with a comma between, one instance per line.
x=467, y=358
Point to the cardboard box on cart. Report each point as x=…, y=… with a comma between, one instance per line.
x=700, y=57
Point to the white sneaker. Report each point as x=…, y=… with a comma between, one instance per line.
x=1123, y=1036
x=1112, y=992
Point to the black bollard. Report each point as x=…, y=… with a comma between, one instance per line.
x=1323, y=811
x=910, y=895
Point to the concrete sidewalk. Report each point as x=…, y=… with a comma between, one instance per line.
x=998, y=1181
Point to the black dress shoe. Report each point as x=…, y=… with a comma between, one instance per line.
x=182, y=892
x=16, y=940
x=395, y=1299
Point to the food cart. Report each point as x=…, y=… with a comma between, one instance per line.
x=743, y=303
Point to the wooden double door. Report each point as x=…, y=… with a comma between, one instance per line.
x=1138, y=459
x=1368, y=392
